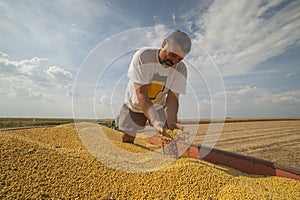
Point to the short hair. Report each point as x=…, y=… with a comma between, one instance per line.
x=182, y=39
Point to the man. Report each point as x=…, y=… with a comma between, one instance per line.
x=156, y=78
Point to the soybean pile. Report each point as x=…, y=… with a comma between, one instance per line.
x=53, y=163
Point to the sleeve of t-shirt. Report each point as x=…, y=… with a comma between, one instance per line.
x=139, y=72
x=180, y=79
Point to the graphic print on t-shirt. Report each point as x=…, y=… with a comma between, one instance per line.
x=157, y=84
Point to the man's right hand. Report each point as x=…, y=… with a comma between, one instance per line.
x=158, y=126
x=156, y=120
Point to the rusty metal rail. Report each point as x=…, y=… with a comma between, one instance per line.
x=243, y=163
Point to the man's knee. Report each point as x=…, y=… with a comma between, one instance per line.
x=128, y=137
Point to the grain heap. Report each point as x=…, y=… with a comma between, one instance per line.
x=53, y=163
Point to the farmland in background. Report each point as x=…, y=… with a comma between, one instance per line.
x=22, y=122
x=276, y=140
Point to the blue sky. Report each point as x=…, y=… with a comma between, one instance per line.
x=253, y=44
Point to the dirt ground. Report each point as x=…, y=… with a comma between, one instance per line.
x=53, y=163
x=277, y=141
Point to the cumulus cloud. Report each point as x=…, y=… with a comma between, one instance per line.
x=255, y=101
x=241, y=34
x=20, y=91
x=27, y=67
x=58, y=72
x=29, y=78
x=262, y=96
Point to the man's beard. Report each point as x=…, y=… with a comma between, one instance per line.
x=168, y=62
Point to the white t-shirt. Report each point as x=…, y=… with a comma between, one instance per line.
x=145, y=68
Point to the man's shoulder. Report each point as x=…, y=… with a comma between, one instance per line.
x=146, y=50
x=147, y=54
x=181, y=67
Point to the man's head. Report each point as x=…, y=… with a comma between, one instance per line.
x=174, y=48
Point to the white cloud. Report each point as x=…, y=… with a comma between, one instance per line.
x=156, y=36
x=205, y=103
x=26, y=67
x=258, y=101
x=104, y=100
x=28, y=90
x=20, y=91
x=3, y=57
x=58, y=72
x=289, y=75
x=263, y=96
x=174, y=19
x=28, y=78
x=284, y=97
x=69, y=89
x=241, y=34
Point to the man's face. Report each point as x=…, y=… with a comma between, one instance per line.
x=171, y=54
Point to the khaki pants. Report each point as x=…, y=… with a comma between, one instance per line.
x=131, y=122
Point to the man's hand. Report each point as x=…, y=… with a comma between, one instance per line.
x=158, y=126
x=155, y=120
x=185, y=134
x=179, y=127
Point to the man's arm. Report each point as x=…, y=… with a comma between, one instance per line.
x=171, y=109
x=142, y=95
x=147, y=106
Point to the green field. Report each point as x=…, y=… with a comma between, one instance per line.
x=21, y=122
